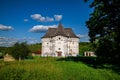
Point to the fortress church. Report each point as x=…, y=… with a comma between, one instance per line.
x=60, y=42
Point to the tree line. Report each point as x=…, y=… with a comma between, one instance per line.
x=20, y=50
x=23, y=50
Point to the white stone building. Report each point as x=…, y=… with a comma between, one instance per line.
x=60, y=42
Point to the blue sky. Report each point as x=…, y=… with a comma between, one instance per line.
x=28, y=20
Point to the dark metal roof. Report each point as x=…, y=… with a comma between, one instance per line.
x=70, y=33
x=60, y=30
x=49, y=33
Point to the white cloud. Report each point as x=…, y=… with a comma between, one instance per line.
x=48, y=19
x=42, y=28
x=58, y=17
x=36, y=16
x=5, y=28
x=26, y=20
x=41, y=18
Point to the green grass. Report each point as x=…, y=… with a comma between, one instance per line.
x=51, y=69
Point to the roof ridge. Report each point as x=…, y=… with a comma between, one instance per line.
x=60, y=30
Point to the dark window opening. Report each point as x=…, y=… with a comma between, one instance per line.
x=59, y=48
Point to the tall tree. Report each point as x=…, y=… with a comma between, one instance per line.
x=104, y=29
x=19, y=50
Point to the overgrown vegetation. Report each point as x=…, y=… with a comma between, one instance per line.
x=3, y=51
x=85, y=46
x=52, y=69
x=70, y=68
x=19, y=50
x=104, y=30
x=35, y=47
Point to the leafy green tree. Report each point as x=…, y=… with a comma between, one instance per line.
x=104, y=29
x=19, y=51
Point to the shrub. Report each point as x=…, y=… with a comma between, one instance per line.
x=20, y=50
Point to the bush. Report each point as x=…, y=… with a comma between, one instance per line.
x=20, y=51
x=1, y=55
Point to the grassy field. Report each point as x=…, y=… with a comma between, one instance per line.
x=52, y=69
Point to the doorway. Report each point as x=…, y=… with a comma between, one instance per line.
x=59, y=53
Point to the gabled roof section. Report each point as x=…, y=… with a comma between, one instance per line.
x=60, y=30
x=70, y=33
x=49, y=33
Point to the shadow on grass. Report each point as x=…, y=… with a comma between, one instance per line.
x=93, y=62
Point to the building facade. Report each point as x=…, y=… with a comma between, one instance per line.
x=60, y=42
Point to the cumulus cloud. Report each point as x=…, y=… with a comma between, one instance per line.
x=38, y=17
x=5, y=28
x=48, y=19
x=42, y=28
x=58, y=17
x=41, y=18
